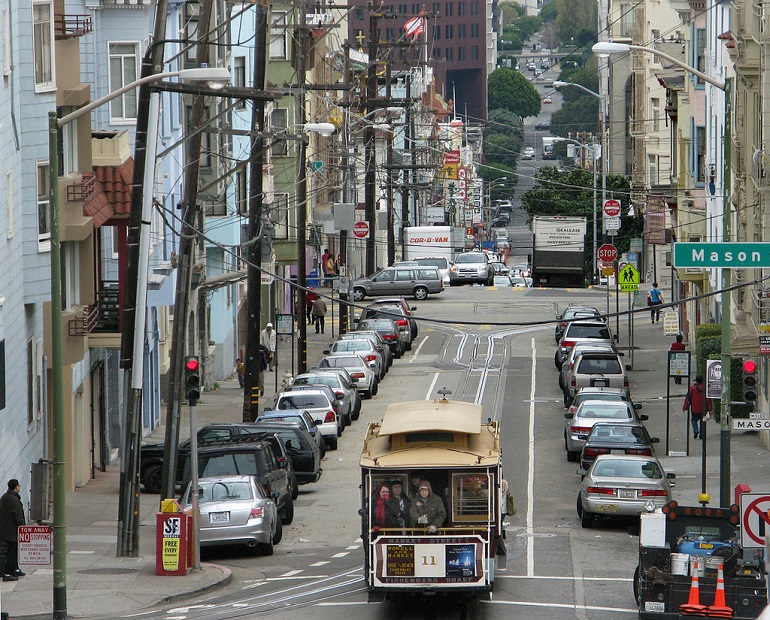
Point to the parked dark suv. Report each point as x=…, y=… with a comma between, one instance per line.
x=247, y=456
x=151, y=455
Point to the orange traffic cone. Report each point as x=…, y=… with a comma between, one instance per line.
x=720, y=609
x=693, y=607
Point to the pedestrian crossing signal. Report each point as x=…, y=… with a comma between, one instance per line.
x=750, y=381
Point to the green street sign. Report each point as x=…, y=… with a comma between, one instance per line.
x=736, y=255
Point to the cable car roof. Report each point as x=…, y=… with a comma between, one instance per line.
x=431, y=415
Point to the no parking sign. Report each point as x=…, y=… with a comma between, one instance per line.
x=755, y=521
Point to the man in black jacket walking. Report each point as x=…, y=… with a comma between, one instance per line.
x=11, y=517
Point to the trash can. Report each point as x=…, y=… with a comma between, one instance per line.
x=171, y=539
x=313, y=279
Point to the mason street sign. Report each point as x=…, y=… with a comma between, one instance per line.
x=736, y=255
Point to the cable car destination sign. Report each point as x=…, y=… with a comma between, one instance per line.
x=737, y=255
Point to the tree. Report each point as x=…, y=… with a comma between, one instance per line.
x=505, y=122
x=575, y=20
x=579, y=115
x=502, y=149
x=511, y=90
x=502, y=180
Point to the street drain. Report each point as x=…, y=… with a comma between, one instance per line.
x=108, y=571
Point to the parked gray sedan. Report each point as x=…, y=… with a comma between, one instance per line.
x=235, y=510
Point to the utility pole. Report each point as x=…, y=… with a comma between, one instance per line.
x=405, y=186
x=346, y=194
x=369, y=149
x=300, y=34
x=128, y=500
x=184, y=269
x=389, y=181
x=253, y=376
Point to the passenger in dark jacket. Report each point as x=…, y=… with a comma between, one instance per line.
x=397, y=508
x=427, y=510
x=11, y=517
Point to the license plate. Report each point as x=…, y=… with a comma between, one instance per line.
x=219, y=517
x=599, y=383
x=655, y=607
x=626, y=493
x=617, y=451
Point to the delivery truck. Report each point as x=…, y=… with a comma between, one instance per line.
x=444, y=241
x=548, y=145
x=558, y=251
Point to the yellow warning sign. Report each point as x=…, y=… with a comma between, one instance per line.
x=629, y=278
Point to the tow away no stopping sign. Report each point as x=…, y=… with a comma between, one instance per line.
x=755, y=521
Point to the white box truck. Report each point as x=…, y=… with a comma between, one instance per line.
x=435, y=245
x=558, y=251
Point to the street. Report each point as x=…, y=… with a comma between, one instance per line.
x=555, y=569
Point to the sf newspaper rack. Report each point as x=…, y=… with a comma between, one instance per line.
x=432, y=501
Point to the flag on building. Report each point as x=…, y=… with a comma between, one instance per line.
x=415, y=27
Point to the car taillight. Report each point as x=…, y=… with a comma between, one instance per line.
x=368, y=358
x=572, y=409
x=580, y=430
x=567, y=344
x=590, y=452
x=257, y=513
x=563, y=325
x=339, y=395
x=601, y=490
x=390, y=337
x=357, y=375
x=401, y=323
x=330, y=417
x=267, y=489
x=625, y=382
x=652, y=493
x=641, y=451
x=573, y=382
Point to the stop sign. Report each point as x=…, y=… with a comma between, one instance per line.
x=607, y=253
x=361, y=230
x=612, y=207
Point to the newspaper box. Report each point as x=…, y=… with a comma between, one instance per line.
x=172, y=547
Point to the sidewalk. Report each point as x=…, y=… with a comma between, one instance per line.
x=99, y=583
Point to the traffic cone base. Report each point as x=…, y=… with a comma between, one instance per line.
x=720, y=609
x=693, y=607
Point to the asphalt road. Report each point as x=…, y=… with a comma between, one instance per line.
x=556, y=570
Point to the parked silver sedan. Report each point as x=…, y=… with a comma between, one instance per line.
x=579, y=424
x=622, y=486
x=235, y=510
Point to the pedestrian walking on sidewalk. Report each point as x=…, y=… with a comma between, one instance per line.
x=310, y=297
x=240, y=370
x=678, y=346
x=698, y=405
x=11, y=517
x=267, y=340
x=319, y=314
x=654, y=301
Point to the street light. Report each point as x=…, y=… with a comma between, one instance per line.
x=605, y=159
x=607, y=48
x=57, y=397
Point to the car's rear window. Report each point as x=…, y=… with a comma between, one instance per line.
x=302, y=401
x=441, y=263
x=576, y=330
x=228, y=464
x=608, y=396
x=352, y=345
x=377, y=324
x=343, y=361
x=331, y=380
x=223, y=491
x=427, y=274
x=605, y=411
x=602, y=365
x=612, y=468
x=618, y=434
x=386, y=313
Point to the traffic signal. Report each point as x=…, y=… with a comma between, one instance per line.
x=749, y=382
x=192, y=380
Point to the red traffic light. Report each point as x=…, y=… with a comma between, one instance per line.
x=749, y=366
x=192, y=364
